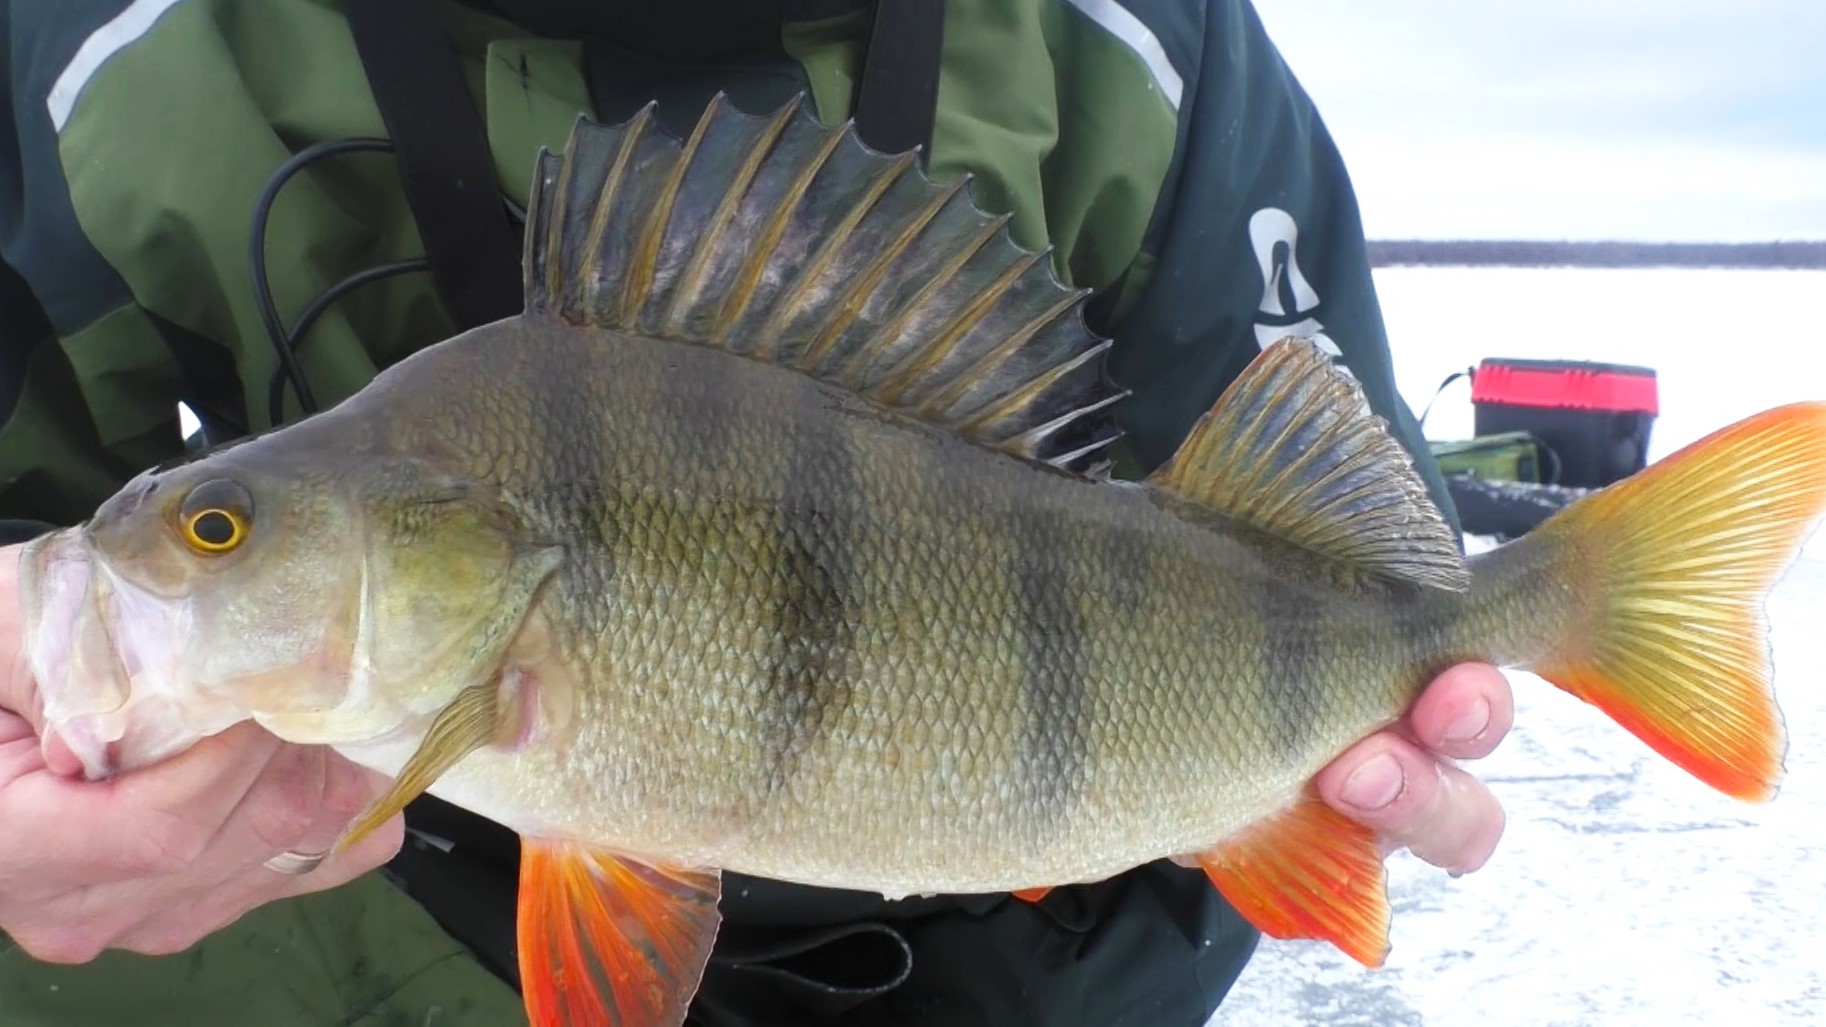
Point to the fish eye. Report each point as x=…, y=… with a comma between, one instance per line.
x=216, y=517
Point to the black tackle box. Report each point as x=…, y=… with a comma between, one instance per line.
x=1592, y=419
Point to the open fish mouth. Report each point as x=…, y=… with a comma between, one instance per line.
x=105, y=654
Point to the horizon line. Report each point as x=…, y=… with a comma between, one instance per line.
x=1770, y=255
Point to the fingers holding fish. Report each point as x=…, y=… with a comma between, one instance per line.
x=346, y=790
x=303, y=802
x=1464, y=714
x=1417, y=801
x=153, y=860
x=59, y=758
x=158, y=859
x=1403, y=783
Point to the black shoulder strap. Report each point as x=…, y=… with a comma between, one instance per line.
x=897, y=99
x=444, y=160
x=448, y=172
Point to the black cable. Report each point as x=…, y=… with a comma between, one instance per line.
x=1558, y=469
x=256, y=252
x=285, y=344
x=1454, y=376
x=275, y=393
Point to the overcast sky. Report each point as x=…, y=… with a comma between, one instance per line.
x=1698, y=120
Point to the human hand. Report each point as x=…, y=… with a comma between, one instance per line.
x=1403, y=782
x=154, y=860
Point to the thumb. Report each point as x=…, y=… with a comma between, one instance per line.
x=59, y=758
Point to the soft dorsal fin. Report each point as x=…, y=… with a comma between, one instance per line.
x=790, y=242
x=1293, y=449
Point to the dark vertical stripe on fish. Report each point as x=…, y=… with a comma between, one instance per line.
x=1056, y=741
x=812, y=597
x=1419, y=628
x=1128, y=567
x=562, y=421
x=1292, y=660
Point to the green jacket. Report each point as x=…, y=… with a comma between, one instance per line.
x=1160, y=147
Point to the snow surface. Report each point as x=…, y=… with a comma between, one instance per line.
x=1624, y=891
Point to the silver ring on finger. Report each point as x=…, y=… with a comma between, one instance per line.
x=294, y=864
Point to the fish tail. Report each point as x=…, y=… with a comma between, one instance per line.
x=1657, y=586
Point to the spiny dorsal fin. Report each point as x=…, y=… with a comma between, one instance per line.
x=790, y=242
x=1293, y=449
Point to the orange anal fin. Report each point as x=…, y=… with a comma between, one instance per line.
x=1032, y=894
x=607, y=940
x=1310, y=873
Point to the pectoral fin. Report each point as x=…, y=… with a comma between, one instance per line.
x=474, y=719
x=1031, y=894
x=1310, y=873
x=607, y=940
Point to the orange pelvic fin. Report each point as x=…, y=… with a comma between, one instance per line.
x=1311, y=873
x=607, y=940
x=1680, y=558
x=1032, y=894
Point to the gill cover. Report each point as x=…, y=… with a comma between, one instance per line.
x=447, y=577
x=310, y=580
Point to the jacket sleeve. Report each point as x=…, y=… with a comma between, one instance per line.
x=88, y=390
x=1256, y=236
x=54, y=466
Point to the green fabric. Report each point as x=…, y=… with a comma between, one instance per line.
x=176, y=230
x=1055, y=119
x=1060, y=124
x=830, y=50
x=535, y=90
x=128, y=371
x=51, y=450
x=359, y=956
x=1506, y=456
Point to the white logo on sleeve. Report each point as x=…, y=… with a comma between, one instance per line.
x=1288, y=299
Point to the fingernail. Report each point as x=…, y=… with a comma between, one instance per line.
x=1373, y=785
x=1469, y=724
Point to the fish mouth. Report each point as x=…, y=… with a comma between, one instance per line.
x=105, y=654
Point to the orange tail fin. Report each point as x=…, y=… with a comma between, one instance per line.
x=1674, y=565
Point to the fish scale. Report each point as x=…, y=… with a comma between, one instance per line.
x=777, y=535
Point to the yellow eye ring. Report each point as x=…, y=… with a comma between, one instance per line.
x=214, y=530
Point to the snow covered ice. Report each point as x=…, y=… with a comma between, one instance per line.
x=1624, y=891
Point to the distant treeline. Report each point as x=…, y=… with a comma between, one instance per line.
x=1500, y=253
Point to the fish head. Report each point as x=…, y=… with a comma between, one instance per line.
x=331, y=594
